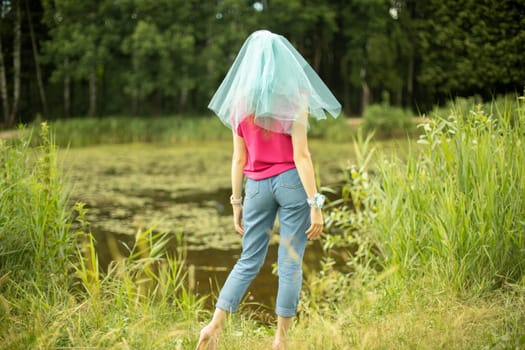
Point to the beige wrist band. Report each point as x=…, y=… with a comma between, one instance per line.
x=235, y=201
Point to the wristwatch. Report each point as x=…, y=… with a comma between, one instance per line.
x=317, y=201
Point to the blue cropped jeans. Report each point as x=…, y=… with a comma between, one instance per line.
x=283, y=194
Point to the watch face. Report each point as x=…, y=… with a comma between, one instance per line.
x=320, y=201
x=317, y=201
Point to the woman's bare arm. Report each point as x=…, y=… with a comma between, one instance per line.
x=305, y=168
x=237, y=178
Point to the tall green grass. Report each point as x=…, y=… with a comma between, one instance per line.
x=433, y=242
x=455, y=214
x=35, y=245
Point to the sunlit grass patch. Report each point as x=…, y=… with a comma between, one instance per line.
x=441, y=321
x=387, y=313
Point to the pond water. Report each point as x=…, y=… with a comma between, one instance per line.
x=182, y=188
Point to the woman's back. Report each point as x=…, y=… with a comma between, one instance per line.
x=268, y=153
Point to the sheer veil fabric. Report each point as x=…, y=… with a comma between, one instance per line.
x=272, y=82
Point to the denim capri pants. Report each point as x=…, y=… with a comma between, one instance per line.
x=283, y=194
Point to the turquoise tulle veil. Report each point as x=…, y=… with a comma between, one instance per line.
x=272, y=82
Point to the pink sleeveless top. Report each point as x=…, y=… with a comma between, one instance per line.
x=268, y=153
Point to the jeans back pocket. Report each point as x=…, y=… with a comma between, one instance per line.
x=290, y=179
x=251, y=188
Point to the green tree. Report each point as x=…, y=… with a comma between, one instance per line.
x=161, y=48
x=83, y=38
x=160, y=63
x=223, y=28
x=311, y=29
x=36, y=58
x=170, y=55
x=371, y=58
x=470, y=46
x=10, y=12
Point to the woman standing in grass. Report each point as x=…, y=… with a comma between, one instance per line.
x=266, y=99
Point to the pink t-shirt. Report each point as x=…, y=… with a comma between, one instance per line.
x=269, y=153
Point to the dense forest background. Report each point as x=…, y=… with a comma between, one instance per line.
x=62, y=58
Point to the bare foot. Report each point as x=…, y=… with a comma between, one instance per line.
x=278, y=345
x=209, y=337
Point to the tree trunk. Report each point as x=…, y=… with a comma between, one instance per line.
x=93, y=93
x=40, y=82
x=365, y=98
x=399, y=95
x=183, y=99
x=155, y=104
x=67, y=92
x=135, y=103
x=16, y=63
x=410, y=80
x=318, y=54
x=409, y=25
x=347, y=97
x=3, y=85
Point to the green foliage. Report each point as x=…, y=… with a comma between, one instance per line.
x=331, y=130
x=84, y=37
x=497, y=108
x=351, y=215
x=35, y=244
x=462, y=47
x=372, y=45
x=388, y=121
x=167, y=43
x=456, y=213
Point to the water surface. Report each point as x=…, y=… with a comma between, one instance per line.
x=182, y=188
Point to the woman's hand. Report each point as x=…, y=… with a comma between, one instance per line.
x=317, y=223
x=237, y=219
